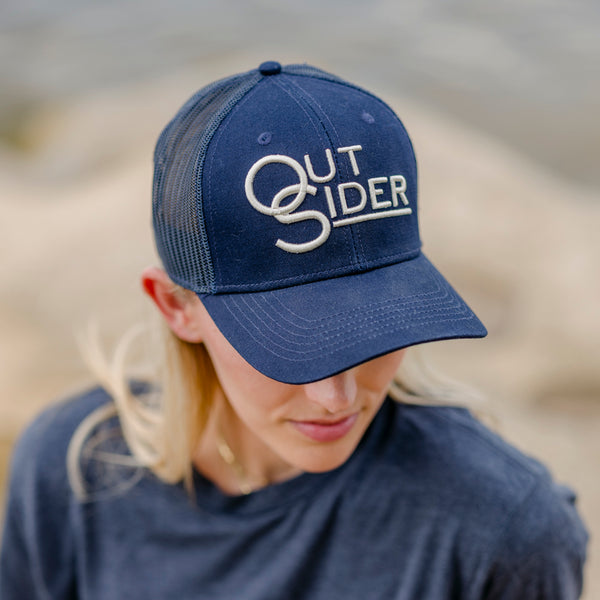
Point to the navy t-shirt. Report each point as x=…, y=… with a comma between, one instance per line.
x=431, y=506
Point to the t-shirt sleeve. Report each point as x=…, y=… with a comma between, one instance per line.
x=37, y=552
x=543, y=551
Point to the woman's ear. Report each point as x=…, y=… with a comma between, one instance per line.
x=180, y=310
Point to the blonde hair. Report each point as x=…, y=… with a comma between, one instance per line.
x=163, y=426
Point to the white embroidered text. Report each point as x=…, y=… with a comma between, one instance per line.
x=387, y=196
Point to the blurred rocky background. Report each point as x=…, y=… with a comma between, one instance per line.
x=501, y=100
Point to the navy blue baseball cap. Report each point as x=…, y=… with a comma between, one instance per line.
x=286, y=198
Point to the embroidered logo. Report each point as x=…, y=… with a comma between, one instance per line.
x=352, y=208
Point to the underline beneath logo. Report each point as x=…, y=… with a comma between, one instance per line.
x=372, y=216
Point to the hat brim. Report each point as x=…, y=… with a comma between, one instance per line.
x=311, y=331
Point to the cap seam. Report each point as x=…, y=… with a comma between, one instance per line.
x=323, y=350
x=188, y=108
x=349, y=84
x=303, y=106
x=214, y=141
x=438, y=297
x=452, y=309
x=352, y=231
x=233, y=288
x=439, y=304
x=432, y=296
x=355, y=87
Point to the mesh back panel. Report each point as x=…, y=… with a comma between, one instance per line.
x=177, y=194
x=178, y=220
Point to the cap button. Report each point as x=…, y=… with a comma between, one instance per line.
x=270, y=68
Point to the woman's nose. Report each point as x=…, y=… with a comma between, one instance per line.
x=335, y=394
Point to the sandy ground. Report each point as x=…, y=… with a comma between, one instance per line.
x=521, y=245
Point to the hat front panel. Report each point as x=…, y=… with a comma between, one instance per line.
x=306, y=180
x=376, y=155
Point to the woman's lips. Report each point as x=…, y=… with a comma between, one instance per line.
x=321, y=431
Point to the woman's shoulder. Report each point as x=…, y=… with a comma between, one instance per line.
x=505, y=503
x=40, y=454
x=40, y=526
x=59, y=454
x=48, y=435
x=52, y=430
x=450, y=442
x=448, y=446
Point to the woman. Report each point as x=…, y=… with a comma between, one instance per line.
x=271, y=462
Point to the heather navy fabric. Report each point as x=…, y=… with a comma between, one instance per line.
x=431, y=506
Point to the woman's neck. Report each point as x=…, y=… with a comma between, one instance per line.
x=233, y=457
